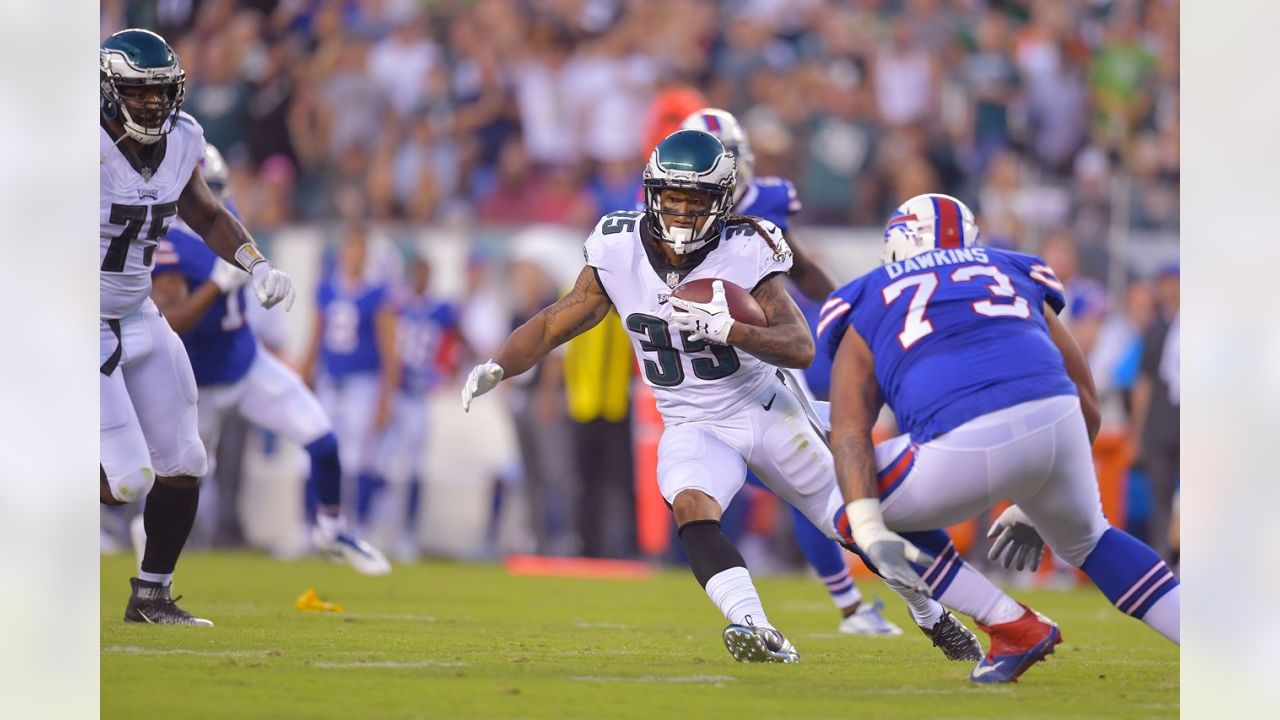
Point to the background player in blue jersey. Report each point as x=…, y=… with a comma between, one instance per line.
x=775, y=200
x=964, y=344
x=353, y=343
x=425, y=328
x=203, y=299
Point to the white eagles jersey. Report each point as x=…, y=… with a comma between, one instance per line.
x=691, y=380
x=136, y=211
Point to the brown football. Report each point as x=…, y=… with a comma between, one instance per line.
x=742, y=306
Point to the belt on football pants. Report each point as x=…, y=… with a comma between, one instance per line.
x=109, y=366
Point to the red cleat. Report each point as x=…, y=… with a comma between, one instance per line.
x=1015, y=646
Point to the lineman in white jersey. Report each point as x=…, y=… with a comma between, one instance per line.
x=150, y=446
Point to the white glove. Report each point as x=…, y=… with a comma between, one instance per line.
x=1014, y=532
x=888, y=551
x=708, y=321
x=483, y=378
x=226, y=276
x=271, y=285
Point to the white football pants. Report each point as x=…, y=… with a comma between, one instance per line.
x=147, y=420
x=774, y=435
x=1036, y=454
x=271, y=396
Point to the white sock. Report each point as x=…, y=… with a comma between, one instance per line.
x=330, y=525
x=924, y=610
x=162, y=578
x=733, y=592
x=973, y=594
x=1165, y=616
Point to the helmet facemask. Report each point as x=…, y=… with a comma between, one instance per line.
x=684, y=240
x=147, y=115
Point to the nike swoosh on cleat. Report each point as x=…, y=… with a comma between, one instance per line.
x=769, y=405
x=979, y=672
x=144, y=617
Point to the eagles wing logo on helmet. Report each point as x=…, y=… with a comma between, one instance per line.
x=689, y=160
x=729, y=132
x=142, y=83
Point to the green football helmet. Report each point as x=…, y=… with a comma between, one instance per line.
x=142, y=83
x=690, y=160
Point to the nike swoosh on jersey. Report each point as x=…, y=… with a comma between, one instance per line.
x=769, y=404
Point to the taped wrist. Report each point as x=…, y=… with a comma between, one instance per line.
x=710, y=552
x=248, y=255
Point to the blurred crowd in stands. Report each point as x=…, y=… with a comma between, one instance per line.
x=510, y=111
x=1056, y=120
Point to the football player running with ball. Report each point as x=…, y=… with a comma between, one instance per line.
x=725, y=400
x=964, y=344
x=150, y=445
x=775, y=199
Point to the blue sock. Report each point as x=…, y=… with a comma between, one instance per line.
x=415, y=493
x=368, y=485
x=826, y=557
x=324, y=485
x=947, y=562
x=1128, y=572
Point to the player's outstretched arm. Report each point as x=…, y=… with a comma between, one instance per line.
x=1078, y=370
x=855, y=405
x=786, y=342
x=226, y=236
x=577, y=312
x=809, y=279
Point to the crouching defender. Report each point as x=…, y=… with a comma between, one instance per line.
x=726, y=401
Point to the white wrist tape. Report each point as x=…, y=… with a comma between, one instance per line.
x=248, y=255
x=865, y=519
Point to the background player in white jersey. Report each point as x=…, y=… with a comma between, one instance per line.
x=724, y=410
x=775, y=199
x=202, y=297
x=150, y=446
x=964, y=344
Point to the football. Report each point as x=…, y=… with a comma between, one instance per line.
x=742, y=306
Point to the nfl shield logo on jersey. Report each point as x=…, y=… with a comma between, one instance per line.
x=673, y=279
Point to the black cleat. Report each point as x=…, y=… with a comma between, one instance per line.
x=150, y=603
x=957, y=641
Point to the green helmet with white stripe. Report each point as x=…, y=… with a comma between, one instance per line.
x=142, y=83
x=689, y=160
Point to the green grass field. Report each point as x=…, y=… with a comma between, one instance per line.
x=471, y=641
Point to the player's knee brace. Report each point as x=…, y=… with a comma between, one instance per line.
x=131, y=486
x=710, y=552
x=192, y=461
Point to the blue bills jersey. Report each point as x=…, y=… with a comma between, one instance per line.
x=775, y=200
x=422, y=326
x=349, y=342
x=221, y=345
x=771, y=198
x=955, y=334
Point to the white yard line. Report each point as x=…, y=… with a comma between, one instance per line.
x=390, y=664
x=655, y=678
x=135, y=650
